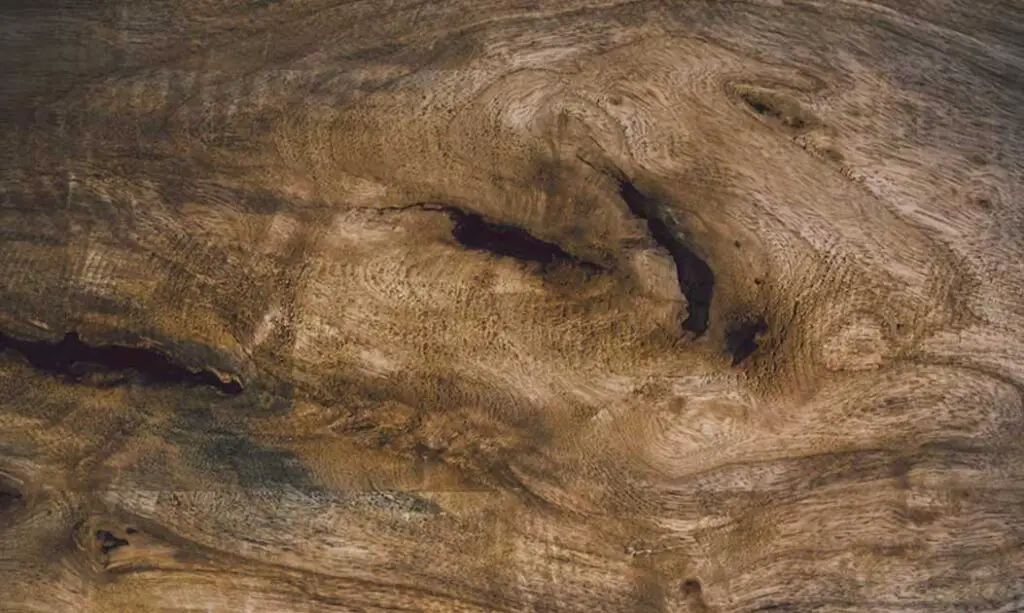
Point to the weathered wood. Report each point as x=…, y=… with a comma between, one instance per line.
x=508, y=306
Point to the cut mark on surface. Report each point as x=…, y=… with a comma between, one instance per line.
x=741, y=338
x=696, y=280
x=71, y=357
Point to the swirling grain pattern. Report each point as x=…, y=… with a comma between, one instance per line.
x=684, y=306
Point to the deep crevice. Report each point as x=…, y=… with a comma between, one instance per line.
x=771, y=106
x=475, y=232
x=73, y=358
x=10, y=497
x=109, y=542
x=696, y=280
x=741, y=338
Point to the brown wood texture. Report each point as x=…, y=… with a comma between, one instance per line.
x=496, y=305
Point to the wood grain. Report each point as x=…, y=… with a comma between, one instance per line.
x=684, y=306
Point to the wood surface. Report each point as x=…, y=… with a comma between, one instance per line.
x=504, y=305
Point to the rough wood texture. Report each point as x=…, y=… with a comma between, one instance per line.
x=495, y=305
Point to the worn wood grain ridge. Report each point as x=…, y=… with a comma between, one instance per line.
x=694, y=306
